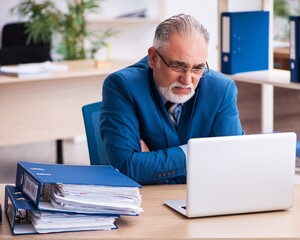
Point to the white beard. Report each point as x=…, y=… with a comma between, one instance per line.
x=177, y=98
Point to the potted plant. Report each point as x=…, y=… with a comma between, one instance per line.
x=46, y=22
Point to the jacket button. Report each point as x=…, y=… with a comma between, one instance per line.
x=173, y=171
x=169, y=173
x=165, y=174
x=159, y=175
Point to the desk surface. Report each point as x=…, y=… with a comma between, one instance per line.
x=158, y=221
x=76, y=68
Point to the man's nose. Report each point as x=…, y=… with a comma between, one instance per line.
x=186, y=77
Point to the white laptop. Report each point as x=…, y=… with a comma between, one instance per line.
x=239, y=174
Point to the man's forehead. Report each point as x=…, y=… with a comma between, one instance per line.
x=178, y=43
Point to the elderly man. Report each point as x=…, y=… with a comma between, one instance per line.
x=152, y=108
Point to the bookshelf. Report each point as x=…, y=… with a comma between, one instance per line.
x=271, y=89
x=266, y=79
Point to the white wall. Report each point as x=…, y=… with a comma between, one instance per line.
x=206, y=13
x=5, y=14
x=242, y=5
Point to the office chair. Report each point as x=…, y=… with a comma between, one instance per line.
x=15, y=49
x=17, y=55
x=91, y=117
x=14, y=35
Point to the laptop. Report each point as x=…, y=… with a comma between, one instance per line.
x=238, y=174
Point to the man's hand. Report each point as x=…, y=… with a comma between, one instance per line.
x=144, y=146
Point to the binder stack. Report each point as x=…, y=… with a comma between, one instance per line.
x=59, y=198
x=294, y=48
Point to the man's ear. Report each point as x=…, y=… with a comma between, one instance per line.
x=152, y=57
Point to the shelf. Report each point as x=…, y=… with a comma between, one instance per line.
x=112, y=21
x=275, y=77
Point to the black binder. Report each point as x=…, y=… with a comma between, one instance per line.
x=294, y=48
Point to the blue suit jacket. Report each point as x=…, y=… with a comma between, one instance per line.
x=132, y=109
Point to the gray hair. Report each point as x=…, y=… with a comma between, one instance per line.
x=185, y=25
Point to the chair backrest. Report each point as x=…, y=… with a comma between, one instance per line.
x=15, y=49
x=91, y=117
x=15, y=35
x=17, y=55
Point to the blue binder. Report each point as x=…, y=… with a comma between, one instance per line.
x=17, y=206
x=33, y=178
x=18, y=209
x=244, y=41
x=294, y=48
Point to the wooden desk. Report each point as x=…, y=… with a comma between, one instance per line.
x=160, y=222
x=48, y=108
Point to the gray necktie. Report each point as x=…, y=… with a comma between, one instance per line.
x=171, y=110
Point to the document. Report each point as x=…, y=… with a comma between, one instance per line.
x=33, y=69
x=49, y=222
x=96, y=199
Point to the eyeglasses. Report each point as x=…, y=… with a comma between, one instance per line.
x=201, y=70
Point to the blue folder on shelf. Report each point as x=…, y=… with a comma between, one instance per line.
x=244, y=41
x=298, y=156
x=294, y=48
x=298, y=149
x=34, y=180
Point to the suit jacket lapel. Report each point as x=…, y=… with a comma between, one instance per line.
x=187, y=113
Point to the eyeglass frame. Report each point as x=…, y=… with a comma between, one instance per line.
x=183, y=69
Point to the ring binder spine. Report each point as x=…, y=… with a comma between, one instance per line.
x=294, y=48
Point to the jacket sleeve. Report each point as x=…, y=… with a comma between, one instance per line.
x=227, y=121
x=120, y=131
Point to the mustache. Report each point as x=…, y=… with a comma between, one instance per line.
x=178, y=84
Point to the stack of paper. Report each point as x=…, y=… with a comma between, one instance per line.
x=33, y=69
x=47, y=222
x=96, y=199
x=61, y=198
